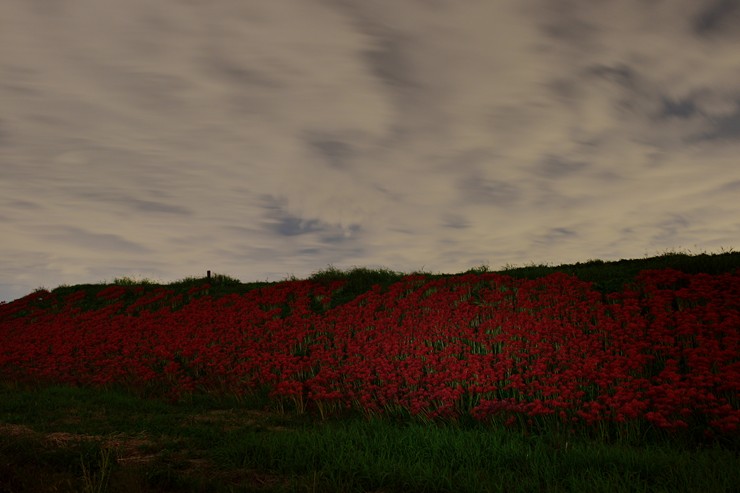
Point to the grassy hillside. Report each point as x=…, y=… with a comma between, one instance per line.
x=606, y=277
x=596, y=376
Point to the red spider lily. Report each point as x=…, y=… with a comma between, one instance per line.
x=665, y=350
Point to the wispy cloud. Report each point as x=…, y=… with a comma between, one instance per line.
x=265, y=139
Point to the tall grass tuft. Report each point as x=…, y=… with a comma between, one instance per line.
x=357, y=281
x=96, y=477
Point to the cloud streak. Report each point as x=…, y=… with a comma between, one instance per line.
x=266, y=139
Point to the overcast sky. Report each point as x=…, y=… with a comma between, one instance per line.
x=263, y=139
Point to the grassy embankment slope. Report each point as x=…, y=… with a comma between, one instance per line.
x=64, y=438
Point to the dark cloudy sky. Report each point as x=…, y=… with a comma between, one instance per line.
x=263, y=139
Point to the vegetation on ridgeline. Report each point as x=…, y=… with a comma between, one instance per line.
x=68, y=431
x=607, y=277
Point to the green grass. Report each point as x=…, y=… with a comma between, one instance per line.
x=72, y=439
x=358, y=280
x=612, y=276
x=371, y=456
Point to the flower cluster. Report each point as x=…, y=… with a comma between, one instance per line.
x=664, y=350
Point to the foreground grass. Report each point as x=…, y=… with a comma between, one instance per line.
x=69, y=439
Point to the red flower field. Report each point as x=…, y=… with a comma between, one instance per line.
x=664, y=351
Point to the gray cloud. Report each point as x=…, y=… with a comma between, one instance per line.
x=386, y=54
x=335, y=152
x=619, y=74
x=554, y=167
x=23, y=205
x=243, y=76
x=684, y=108
x=494, y=192
x=726, y=127
x=129, y=202
x=279, y=220
x=88, y=240
x=388, y=62
x=670, y=227
x=4, y=134
x=716, y=16
x=455, y=222
x=556, y=233
x=291, y=226
x=160, y=207
x=562, y=24
x=262, y=139
x=730, y=187
x=554, y=236
x=342, y=236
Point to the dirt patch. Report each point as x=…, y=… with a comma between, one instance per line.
x=138, y=457
x=127, y=448
x=12, y=430
x=229, y=420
